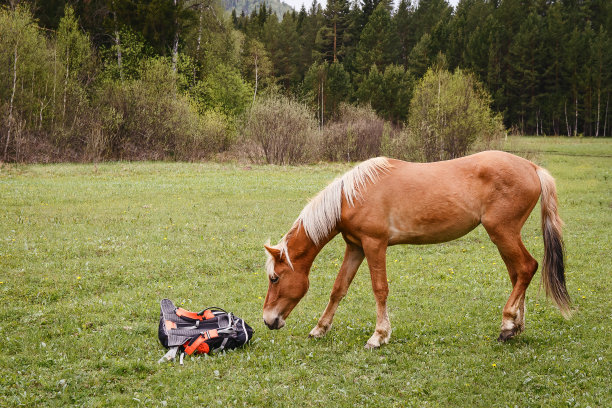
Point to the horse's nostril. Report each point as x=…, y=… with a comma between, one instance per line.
x=270, y=325
x=274, y=325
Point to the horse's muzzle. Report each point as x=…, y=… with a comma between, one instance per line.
x=276, y=324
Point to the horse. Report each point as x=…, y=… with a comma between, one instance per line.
x=383, y=202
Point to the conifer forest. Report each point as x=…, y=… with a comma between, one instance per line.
x=190, y=79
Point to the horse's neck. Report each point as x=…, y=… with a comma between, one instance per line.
x=302, y=251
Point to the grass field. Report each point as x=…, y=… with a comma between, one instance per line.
x=87, y=251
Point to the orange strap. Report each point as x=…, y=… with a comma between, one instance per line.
x=186, y=313
x=199, y=344
x=208, y=314
x=192, y=315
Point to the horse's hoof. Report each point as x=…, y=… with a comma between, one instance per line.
x=318, y=332
x=506, y=335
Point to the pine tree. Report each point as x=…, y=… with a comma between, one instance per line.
x=524, y=75
x=406, y=35
x=421, y=56
x=601, y=45
x=377, y=45
x=336, y=21
x=429, y=13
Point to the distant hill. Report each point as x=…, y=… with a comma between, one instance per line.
x=248, y=6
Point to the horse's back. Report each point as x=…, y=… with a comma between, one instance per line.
x=423, y=203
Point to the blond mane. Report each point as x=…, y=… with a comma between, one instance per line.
x=323, y=212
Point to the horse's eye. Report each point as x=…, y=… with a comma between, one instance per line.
x=274, y=279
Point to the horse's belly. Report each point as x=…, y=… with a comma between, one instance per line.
x=430, y=233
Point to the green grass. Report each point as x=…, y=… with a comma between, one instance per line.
x=87, y=252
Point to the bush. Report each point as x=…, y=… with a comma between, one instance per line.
x=449, y=113
x=401, y=145
x=282, y=130
x=223, y=90
x=208, y=135
x=357, y=135
x=148, y=119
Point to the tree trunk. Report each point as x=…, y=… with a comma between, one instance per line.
x=176, y=39
x=606, y=115
x=256, y=73
x=321, y=114
x=576, y=123
x=567, y=125
x=319, y=103
x=322, y=102
x=199, y=41
x=66, y=88
x=10, y=115
x=118, y=45
x=335, y=36
x=54, y=106
x=598, y=108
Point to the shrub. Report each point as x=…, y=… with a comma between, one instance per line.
x=356, y=135
x=223, y=90
x=207, y=135
x=281, y=128
x=449, y=113
x=149, y=119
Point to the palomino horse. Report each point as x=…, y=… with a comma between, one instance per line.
x=384, y=202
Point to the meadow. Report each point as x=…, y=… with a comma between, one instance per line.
x=87, y=251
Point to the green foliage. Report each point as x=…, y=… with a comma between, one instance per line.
x=449, y=113
x=326, y=87
x=27, y=64
x=389, y=93
x=544, y=64
x=223, y=90
x=156, y=121
x=377, y=44
x=420, y=57
x=281, y=39
x=74, y=48
x=46, y=85
x=406, y=35
x=334, y=35
x=134, y=51
x=256, y=62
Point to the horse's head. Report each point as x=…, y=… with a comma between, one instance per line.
x=287, y=286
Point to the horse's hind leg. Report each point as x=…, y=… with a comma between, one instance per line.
x=521, y=268
x=353, y=257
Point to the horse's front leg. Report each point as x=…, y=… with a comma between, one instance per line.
x=353, y=256
x=376, y=254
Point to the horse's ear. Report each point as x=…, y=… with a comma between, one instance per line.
x=274, y=252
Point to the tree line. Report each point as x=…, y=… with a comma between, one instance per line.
x=547, y=64
x=103, y=78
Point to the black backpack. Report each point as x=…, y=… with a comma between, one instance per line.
x=208, y=331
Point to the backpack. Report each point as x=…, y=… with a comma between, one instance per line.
x=209, y=331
